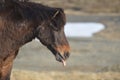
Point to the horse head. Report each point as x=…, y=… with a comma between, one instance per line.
x=51, y=34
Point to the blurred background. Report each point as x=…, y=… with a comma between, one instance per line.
x=93, y=32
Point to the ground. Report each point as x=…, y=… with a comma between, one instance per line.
x=85, y=6
x=91, y=59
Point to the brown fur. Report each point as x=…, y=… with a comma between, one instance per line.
x=23, y=21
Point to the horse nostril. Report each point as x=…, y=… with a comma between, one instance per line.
x=66, y=55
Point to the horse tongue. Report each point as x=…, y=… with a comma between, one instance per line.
x=64, y=63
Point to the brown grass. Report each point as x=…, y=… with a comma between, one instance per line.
x=30, y=75
x=112, y=31
x=89, y=6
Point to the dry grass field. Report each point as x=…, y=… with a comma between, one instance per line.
x=86, y=6
x=30, y=75
x=91, y=59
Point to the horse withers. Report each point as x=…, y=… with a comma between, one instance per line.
x=21, y=22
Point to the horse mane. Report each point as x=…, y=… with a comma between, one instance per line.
x=4, y=3
x=23, y=9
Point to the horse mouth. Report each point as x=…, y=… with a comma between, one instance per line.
x=60, y=58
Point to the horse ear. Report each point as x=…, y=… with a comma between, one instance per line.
x=57, y=19
x=59, y=10
x=56, y=13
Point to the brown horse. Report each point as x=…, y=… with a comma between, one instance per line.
x=21, y=22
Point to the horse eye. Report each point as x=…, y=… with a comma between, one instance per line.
x=54, y=27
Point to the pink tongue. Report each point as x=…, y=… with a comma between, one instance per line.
x=64, y=63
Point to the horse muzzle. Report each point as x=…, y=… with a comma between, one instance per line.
x=61, y=53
